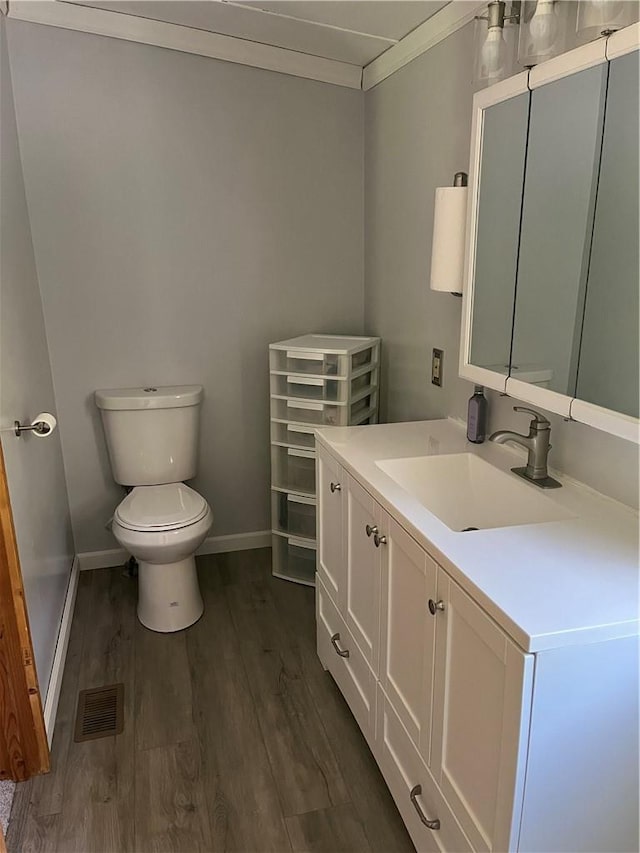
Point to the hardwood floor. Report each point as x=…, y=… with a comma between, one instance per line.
x=235, y=738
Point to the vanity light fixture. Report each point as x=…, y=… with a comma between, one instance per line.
x=602, y=17
x=449, y=230
x=544, y=25
x=495, y=45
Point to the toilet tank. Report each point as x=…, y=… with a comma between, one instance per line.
x=152, y=433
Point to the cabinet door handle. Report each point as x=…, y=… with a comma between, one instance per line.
x=371, y=529
x=335, y=487
x=413, y=795
x=344, y=653
x=379, y=540
x=434, y=606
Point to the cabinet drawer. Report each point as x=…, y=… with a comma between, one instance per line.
x=351, y=673
x=403, y=770
x=294, y=514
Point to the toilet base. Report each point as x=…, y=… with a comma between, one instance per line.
x=169, y=597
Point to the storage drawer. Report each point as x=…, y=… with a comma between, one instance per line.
x=316, y=388
x=310, y=412
x=294, y=514
x=340, y=654
x=403, y=770
x=296, y=435
x=314, y=362
x=293, y=559
x=294, y=470
x=322, y=413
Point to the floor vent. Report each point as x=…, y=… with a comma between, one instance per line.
x=100, y=712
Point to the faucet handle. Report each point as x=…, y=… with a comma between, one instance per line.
x=538, y=419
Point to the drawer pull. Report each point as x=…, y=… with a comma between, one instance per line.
x=379, y=540
x=335, y=487
x=414, y=794
x=371, y=529
x=344, y=653
x=434, y=606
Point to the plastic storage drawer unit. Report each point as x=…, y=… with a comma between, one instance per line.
x=315, y=381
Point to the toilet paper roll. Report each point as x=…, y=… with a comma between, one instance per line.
x=448, y=247
x=44, y=418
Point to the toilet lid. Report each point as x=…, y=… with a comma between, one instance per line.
x=166, y=507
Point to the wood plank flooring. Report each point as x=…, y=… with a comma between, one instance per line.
x=235, y=738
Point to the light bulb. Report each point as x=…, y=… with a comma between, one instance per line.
x=493, y=54
x=543, y=27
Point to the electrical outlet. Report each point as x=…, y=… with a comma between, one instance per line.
x=436, y=367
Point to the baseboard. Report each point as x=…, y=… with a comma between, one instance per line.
x=213, y=545
x=102, y=559
x=60, y=656
x=236, y=542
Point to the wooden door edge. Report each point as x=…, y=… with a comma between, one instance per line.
x=24, y=749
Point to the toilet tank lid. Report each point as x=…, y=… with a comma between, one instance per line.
x=152, y=397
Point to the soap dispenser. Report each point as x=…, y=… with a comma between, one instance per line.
x=477, y=411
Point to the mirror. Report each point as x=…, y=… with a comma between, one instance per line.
x=551, y=312
x=561, y=180
x=504, y=140
x=607, y=370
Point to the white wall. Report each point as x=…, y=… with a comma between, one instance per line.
x=417, y=133
x=35, y=472
x=185, y=213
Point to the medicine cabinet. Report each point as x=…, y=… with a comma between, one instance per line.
x=551, y=304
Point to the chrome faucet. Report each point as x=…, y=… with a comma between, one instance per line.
x=537, y=445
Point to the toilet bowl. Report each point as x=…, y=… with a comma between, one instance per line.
x=162, y=526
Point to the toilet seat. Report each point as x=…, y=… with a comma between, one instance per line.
x=158, y=508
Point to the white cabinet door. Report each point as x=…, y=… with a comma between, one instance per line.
x=482, y=701
x=408, y=632
x=362, y=605
x=331, y=490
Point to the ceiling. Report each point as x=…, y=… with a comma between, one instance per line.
x=352, y=31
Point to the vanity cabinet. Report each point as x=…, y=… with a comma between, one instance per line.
x=438, y=689
x=447, y=699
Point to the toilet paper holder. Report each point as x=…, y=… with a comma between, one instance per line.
x=40, y=427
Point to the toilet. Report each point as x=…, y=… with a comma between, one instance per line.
x=152, y=439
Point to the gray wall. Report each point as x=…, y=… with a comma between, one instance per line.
x=417, y=134
x=185, y=213
x=35, y=472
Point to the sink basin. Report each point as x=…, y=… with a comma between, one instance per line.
x=465, y=492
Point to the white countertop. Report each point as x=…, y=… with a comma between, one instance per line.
x=547, y=585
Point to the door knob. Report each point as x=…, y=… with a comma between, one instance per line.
x=434, y=606
x=371, y=529
x=379, y=540
x=335, y=487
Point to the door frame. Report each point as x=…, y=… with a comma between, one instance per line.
x=24, y=749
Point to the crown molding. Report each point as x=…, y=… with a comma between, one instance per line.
x=85, y=19
x=445, y=22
